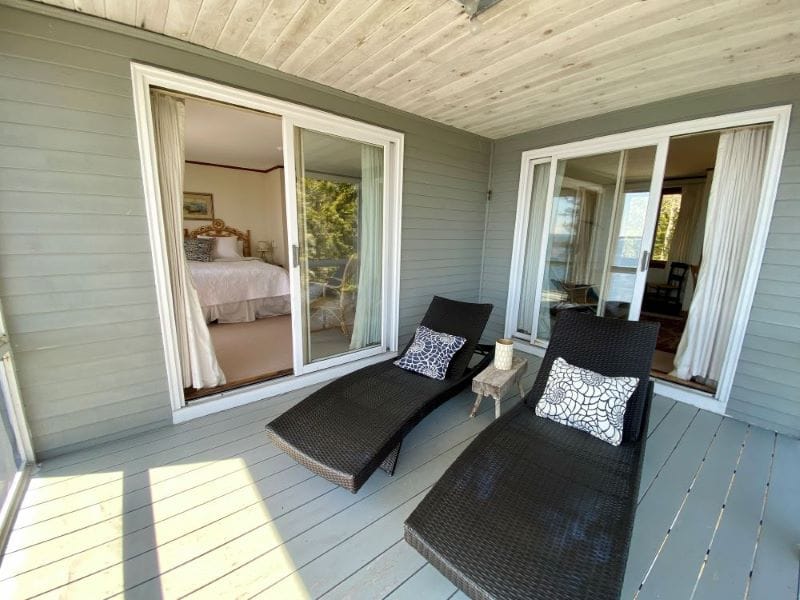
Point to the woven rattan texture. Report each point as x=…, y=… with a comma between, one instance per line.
x=537, y=510
x=345, y=430
x=611, y=347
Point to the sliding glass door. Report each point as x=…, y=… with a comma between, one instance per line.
x=339, y=248
x=15, y=446
x=583, y=238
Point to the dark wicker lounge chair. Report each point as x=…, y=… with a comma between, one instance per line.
x=355, y=424
x=534, y=509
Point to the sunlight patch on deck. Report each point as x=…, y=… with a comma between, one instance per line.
x=42, y=568
x=246, y=533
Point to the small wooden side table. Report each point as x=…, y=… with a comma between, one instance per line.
x=494, y=382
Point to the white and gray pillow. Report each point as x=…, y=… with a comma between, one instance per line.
x=430, y=353
x=586, y=400
x=226, y=247
x=198, y=249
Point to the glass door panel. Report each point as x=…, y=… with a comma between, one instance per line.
x=597, y=221
x=533, y=241
x=340, y=193
x=11, y=460
x=15, y=446
x=631, y=225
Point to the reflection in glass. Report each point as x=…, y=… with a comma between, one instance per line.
x=10, y=457
x=340, y=221
x=594, y=236
x=541, y=179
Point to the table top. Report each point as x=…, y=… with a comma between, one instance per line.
x=496, y=377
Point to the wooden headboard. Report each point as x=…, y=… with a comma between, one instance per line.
x=219, y=229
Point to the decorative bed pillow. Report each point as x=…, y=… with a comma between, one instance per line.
x=430, y=353
x=586, y=400
x=226, y=247
x=198, y=249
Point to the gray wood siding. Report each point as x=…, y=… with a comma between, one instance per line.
x=766, y=388
x=76, y=274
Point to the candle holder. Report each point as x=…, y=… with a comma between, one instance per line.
x=503, y=354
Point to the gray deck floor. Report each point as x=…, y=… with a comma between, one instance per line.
x=210, y=509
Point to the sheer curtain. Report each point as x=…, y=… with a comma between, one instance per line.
x=581, y=269
x=368, y=321
x=687, y=243
x=530, y=264
x=198, y=361
x=732, y=207
x=691, y=206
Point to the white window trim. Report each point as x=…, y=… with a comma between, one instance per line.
x=146, y=76
x=777, y=116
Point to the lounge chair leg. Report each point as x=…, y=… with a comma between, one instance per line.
x=390, y=462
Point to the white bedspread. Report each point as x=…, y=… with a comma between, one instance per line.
x=224, y=281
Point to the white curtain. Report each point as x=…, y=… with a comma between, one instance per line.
x=198, y=361
x=732, y=207
x=691, y=206
x=581, y=265
x=530, y=262
x=367, y=324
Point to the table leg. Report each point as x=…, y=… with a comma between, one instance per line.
x=497, y=408
x=521, y=390
x=476, y=405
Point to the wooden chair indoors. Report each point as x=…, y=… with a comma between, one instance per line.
x=666, y=297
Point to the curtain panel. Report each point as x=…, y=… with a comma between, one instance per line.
x=368, y=314
x=198, y=361
x=732, y=207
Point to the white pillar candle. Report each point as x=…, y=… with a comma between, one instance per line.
x=503, y=354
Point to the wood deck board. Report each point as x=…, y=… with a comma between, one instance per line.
x=427, y=582
x=662, y=442
x=658, y=411
x=210, y=509
x=731, y=553
x=693, y=529
x=663, y=499
x=777, y=559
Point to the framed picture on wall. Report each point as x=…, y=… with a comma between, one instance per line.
x=198, y=207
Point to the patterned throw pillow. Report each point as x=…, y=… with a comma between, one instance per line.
x=198, y=249
x=586, y=400
x=430, y=353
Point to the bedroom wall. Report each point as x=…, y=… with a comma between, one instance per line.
x=76, y=273
x=766, y=388
x=245, y=200
x=276, y=215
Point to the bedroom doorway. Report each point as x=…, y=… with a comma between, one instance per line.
x=275, y=231
x=234, y=230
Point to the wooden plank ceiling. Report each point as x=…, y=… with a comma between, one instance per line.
x=532, y=63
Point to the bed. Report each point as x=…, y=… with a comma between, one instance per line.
x=238, y=289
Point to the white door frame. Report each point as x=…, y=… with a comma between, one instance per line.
x=20, y=432
x=146, y=76
x=777, y=116
x=524, y=213
x=389, y=145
